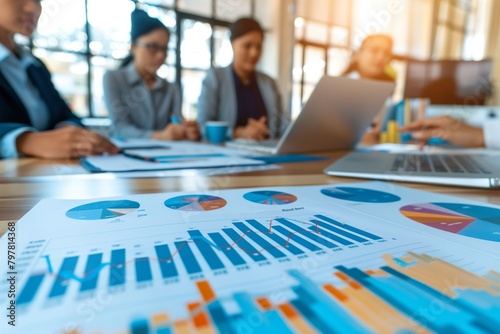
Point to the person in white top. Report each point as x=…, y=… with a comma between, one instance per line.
x=371, y=60
x=456, y=132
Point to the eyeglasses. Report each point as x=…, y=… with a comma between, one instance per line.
x=153, y=47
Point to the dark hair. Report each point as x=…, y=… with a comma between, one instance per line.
x=243, y=26
x=353, y=65
x=127, y=60
x=142, y=24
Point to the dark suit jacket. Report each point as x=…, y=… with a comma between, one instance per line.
x=13, y=113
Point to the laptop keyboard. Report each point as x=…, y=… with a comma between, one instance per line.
x=440, y=163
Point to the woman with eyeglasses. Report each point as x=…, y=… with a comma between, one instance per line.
x=34, y=119
x=139, y=102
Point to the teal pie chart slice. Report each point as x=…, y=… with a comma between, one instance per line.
x=103, y=210
x=270, y=197
x=361, y=195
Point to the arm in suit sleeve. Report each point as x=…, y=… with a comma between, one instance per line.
x=58, y=106
x=119, y=108
x=208, y=103
x=8, y=142
x=491, y=130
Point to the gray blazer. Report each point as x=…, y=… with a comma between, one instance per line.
x=217, y=101
x=135, y=110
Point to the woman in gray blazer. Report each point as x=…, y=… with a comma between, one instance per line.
x=248, y=100
x=141, y=104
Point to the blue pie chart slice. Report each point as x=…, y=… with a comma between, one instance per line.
x=269, y=197
x=360, y=195
x=103, y=210
x=195, y=203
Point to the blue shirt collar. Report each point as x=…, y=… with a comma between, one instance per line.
x=4, y=53
x=134, y=78
x=26, y=58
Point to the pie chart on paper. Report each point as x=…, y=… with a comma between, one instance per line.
x=474, y=221
x=269, y=197
x=361, y=195
x=103, y=210
x=195, y=203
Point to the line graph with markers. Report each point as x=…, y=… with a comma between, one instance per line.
x=325, y=261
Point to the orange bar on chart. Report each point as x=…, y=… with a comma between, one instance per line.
x=159, y=319
x=193, y=306
x=295, y=319
x=206, y=291
x=182, y=327
x=200, y=318
x=372, y=311
x=335, y=292
x=265, y=303
x=342, y=276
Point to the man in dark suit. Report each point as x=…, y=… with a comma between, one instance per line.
x=34, y=119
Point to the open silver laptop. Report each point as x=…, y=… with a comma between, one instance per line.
x=450, y=167
x=335, y=117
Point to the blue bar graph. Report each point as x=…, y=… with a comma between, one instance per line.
x=244, y=245
x=61, y=282
x=91, y=274
x=331, y=236
x=404, y=296
x=140, y=326
x=30, y=289
x=187, y=257
x=306, y=233
x=331, y=313
x=295, y=238
x=206, y=250
x=349, y=228
x=143, y=269
x=271, y=249
x=272, y=323
x=167, y=265
x=307, y=313
x=339, y=231
x=226, y=248
x=279, y=240
x=219, y=317
x=117, y=267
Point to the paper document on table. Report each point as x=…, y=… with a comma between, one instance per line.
x=173, y=155
x=366, y=257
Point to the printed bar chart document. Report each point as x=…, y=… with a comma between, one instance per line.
x=352, y=258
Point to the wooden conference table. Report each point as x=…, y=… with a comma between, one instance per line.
x=23, y=182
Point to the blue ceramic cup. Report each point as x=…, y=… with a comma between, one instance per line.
x=216, y=131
